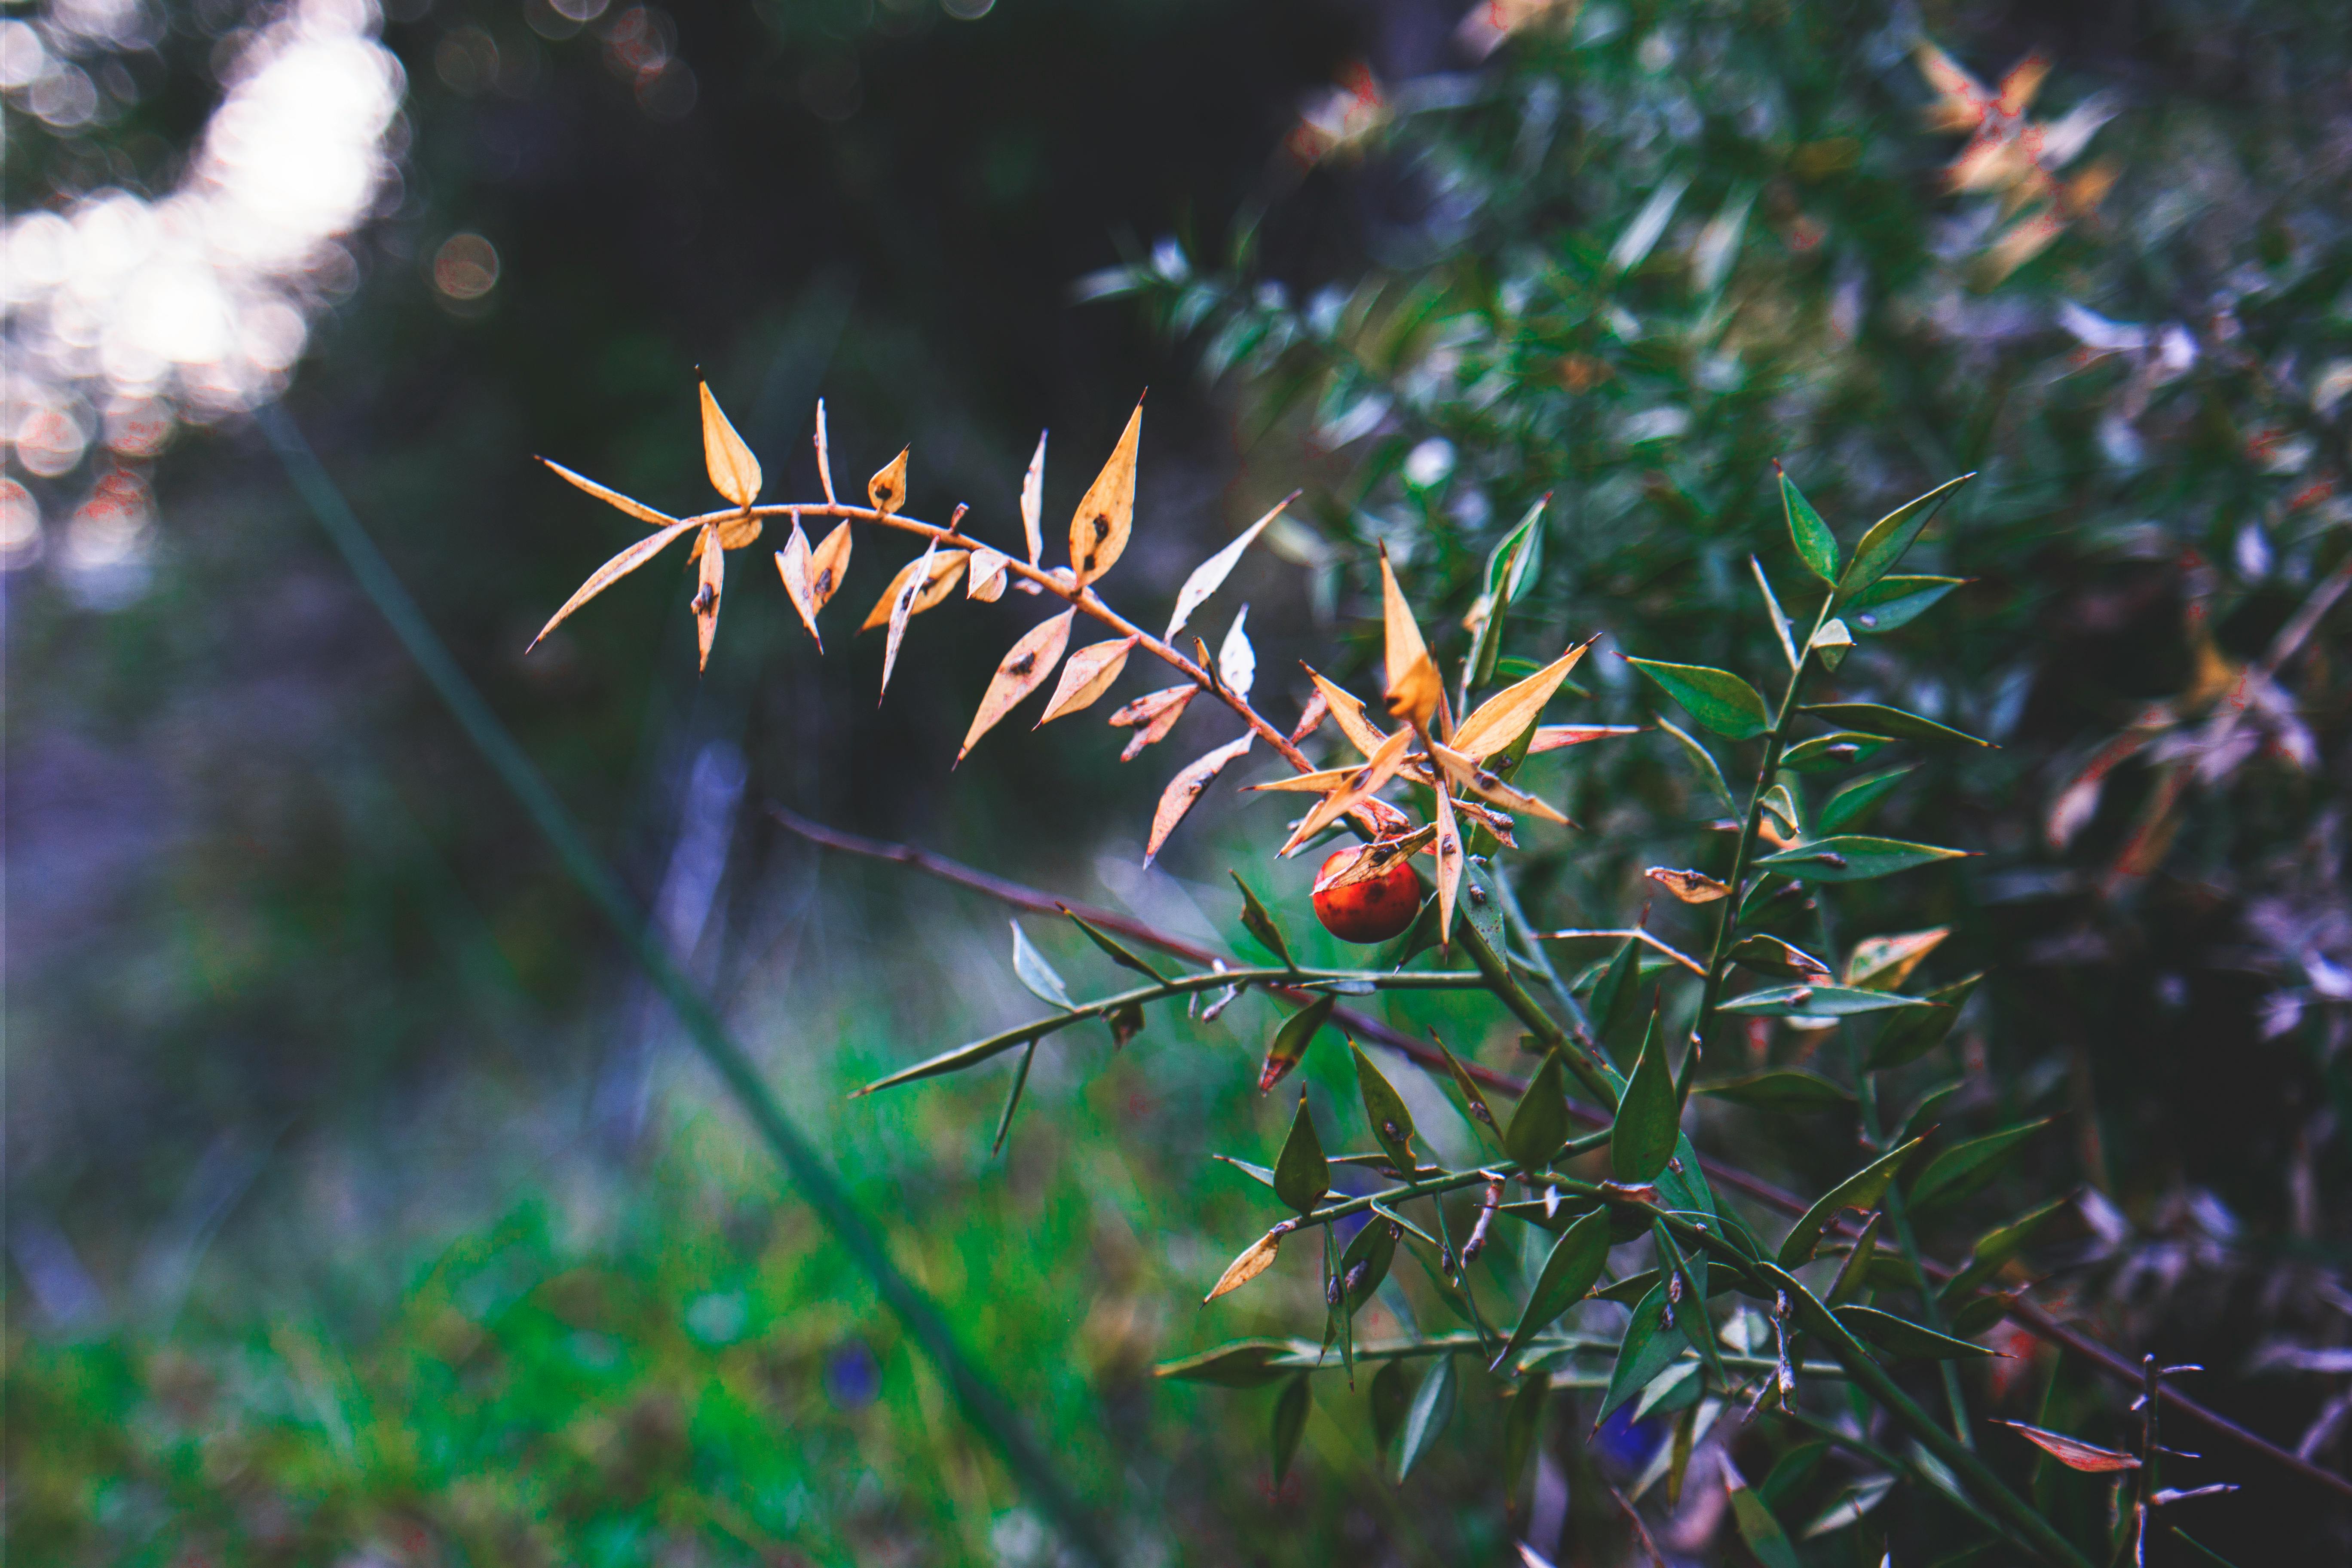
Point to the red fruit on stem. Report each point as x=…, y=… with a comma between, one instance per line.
x=1373, y=909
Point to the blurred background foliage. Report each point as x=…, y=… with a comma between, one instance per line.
x=361, y=1208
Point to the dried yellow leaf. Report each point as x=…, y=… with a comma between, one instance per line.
x=792, y=566
x=1451, y=863
x=1247, y=1266
x=902, y=610
x=635, y=509
x=984, y=578
x=1501, y=718
x=1553, y=737
x=613, y=570
x=1099, y=528
x=1374, y=859
x=1024, y=668
x=706, y=592
x=1211, y=574
x=887, y=488
x=824, y=455
x=1471, y=779
x=1356, y=788
x=1310, y=719
x=1032, y=503
x=1414, y=687
x=1186, y=787
x=1885, y=962
x=1321, y=781
x=828, y=564
x=1151, y=716
x=734, y=472
x=1348, y=714
x=1087, y=677
x=1690, y=887
x=943, y=566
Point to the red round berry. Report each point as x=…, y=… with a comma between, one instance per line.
x=1373, y=909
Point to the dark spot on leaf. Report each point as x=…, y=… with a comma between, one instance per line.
x=823, y=586
x=1020, y=667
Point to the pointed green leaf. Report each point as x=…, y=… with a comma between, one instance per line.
x=1853, y=1274
x=1831, y=643
x=974, y=1054
x=1239, y=1363
x=1391, y=1398
x=1030, y=966
x=1301, y=1174
x=1931, y=1104
x=1262, y=1172
x=1433, y=1408
x=1819, y=1002
x=1116, y=951
x=1780, y=1088
x=1782, y=805
x=1013, y=1099
x=1617, y=1001
x=1863, y=1190
x=1539, y=1126
x=1758, y=1527
x=1523, y=1428
x=1629, y=1291
x=1291, y=1040
x=1995, y=1248
x=1816, y=545
x=1977, y=1314
x=1473, y=1099
x=1851, y=803
x=1710, y=771
x=1891, y=536
x=1715, y=698
x=1906, y=1341
x=1576, y=1261
x=1385, y=1110
x=1773, y=612
x=1291, y=1408
x=1259, y=923
x=1909, y=1036
x=1893, y=602
x=1965, y=1168
x=1851, y=857
x=1690, y=1312
x=1511, y=566
x=1877, y=718
x=1648, y=1348
x=1366, y=1262
x=1641, y=1139
x=1790, y=1474
x=1685, y=1190
x=1771, y=955
x=1822, y=752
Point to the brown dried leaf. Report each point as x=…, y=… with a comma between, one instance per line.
x=1323, y=781
x=984, y=578
x=2070, y=1452
x=1032, y=502
x=1451, y=863
x=1885, y=962
x=902, y=610
x=1415, y=686
x=1211, y=574
x=1318, y=708
x=705, y=593
x=734, y=472
x=1374, y=859
x=1553, y=737
x=1247, y=1266
x=792, y=566
x=1356, y=789
x=823, y=454
x=1469, y=777
x=635, y=509
x=828, y=564
x=1099, y=529
x=1690, y=887
x=613, y=570
x=734, y=533
x=1151, y=716
x=1348, y=714
x=1087, y=677
x=1024, y=668
x=1186, y=787
x=1499, y=719
x=887, y=488
x=943, y=566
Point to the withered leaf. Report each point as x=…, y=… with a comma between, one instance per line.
x=1186, y=787
x=823, y=454
x=887, y=488
x=1451, y=863
x=705, y=593
x=902, y=608
x=1690, y=887
x=1099, y=529
x=1236, y=660
x=1375, y=858
x=613, y=498
x=1209, y=575
x=1087, y=676
x=983, y=579
x=792, y=566
x=1247, y=1266
x=733, y=534
x=1415, y=686
x=1348, y=714
x=1151, y=716
x=1024, y=668
x=1310, y=719
x=734, y=472
x=1553, y=737
x=1501, y=718
x=1322, y=781
x=613, y=570
x=828, y=564
x=941, y=565
x=2070, y=1452
x=1032, y=502
x=1885, y=962
x=1467, y=776
x=1353, y=791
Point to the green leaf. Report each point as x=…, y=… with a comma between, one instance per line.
x=1539, y=1126
x=1641, y=1139
x=1965, y=1168
x=1366, y=1263
x=1758, y=1527
x=1629, y=1291
x=1907, y=1037
x=1390, y=1400
x=1617, y=1001
x=1782, y=805
x=1773, y=612
x=1816, y=545
x=1710, y=771
x=974, y=1054
x=1576, y=1261
x=1480, y=1113
x=1833, y=643
x=1817, y=1001
x=1433, y=1408
x=1480, y=905
x=1850, y=857
x=1291, y=1408
x=1904, y=1340
x=1291, y=1040
x=1301, y=1174
x=1385, y=1110
x=1891, y=536
x=1852, y=802
x=1790, y=1474
x=1771, y=955
x=1262, y=925
x=1685, y=1191
x=1978, y=1313
x=1522, y=1428
x=1877, y=718
x=1238, y=1363
x=1922, y=1117
x=1715, y=698
x=1647, y=1350
x=1013, y=1099
x=1262, y=1172
x=1511, y=566
x=1780, y=1088
x=1822, y=752
x=1893, y=602
x=1853, y=1274
x=1691, y=1315
x=1995, y=1248
x=1117, y=952
x=1863, y=1190
x=1030, y=966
